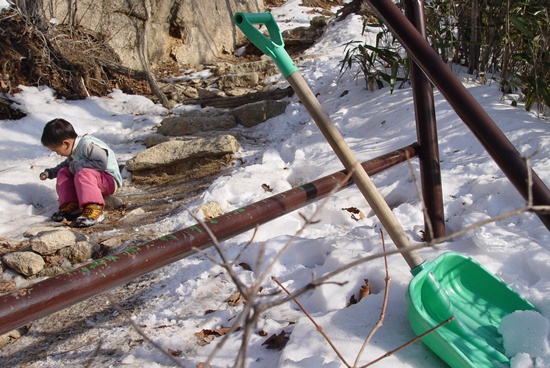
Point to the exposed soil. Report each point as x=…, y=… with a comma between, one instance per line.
x=157, y=195
x=74, y=61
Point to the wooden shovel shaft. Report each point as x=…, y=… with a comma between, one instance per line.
x=350, y=162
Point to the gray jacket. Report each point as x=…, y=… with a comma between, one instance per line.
x=92, y=153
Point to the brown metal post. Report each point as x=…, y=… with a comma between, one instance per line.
x=465, y=105
x=426, y=131
x=56, y=293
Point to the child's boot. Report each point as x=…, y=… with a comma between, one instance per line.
x=68, y=211
x=91, y=215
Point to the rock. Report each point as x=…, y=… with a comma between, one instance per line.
x=7, y=286
x=25, y=263
x=174, y=152
x=176, y=92
x=319, y=21
x=187, y=32
x=34, y=231
x=197, y=121
x=216, y=119
x=115, y=244
x=306, y=35
x=113, y=202
x=10, y=245
x=210, y=92
x=231, y=81
x=79, y=252
x=49, y=242
x=52, y=271
x=132, y=215
x=265, y=66
x=210, y=210
x=255, y=113
x=155, y=139
x=9, y=337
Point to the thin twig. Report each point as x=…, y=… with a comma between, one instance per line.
x=317, y=326
x=247, y=245
x=253, y=309
x=264, y=275
x=321, y=280
x=391, y=352
x=384, y=305
x=226, y=263
x=125, y=314
x=91, y=359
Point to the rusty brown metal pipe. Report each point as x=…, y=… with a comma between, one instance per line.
x=53, y=294
x=465, y=105
x=426, y=132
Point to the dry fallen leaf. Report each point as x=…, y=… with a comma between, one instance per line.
x=207, y=335
x=267, y=188
x=356, y=213
x=276, y=341
x=364, y=290
x=245, y=266
x=235, y=299
x=175, y=352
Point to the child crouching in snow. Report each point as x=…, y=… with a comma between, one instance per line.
x=89, y=173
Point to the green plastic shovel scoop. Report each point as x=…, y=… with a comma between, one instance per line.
x=456, y=285
x=452, y=285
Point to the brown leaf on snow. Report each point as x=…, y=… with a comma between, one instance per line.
x=206, y=335
x=267, y=188
x=175, y=352
x=364, y=290
x=235, y=299
x=276, y=341
x=356, y=213
x=163, y=326
x=245, y=266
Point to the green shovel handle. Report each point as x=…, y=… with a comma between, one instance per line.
x=273, y=46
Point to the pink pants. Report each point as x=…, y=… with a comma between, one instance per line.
x=86, y=186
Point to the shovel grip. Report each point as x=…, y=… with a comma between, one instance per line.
x=273, y=46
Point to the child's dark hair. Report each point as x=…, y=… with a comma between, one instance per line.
x=56, y=131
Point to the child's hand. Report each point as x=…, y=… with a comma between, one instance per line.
x=44, y=175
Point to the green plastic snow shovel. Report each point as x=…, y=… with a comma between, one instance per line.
x=451, y=285
x=456, y=285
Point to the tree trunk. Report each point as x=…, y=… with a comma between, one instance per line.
x=32, y=11
x=473, y=60
x=142, y=51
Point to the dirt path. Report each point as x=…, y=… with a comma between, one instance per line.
x=148, y=200
x=71, y=332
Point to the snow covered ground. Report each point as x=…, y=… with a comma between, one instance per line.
x=189, y=296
